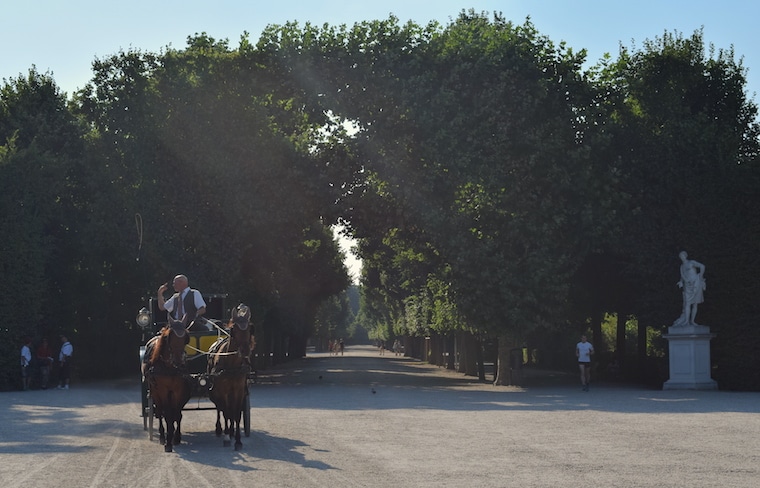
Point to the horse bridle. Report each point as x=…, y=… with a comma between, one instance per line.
x=180, y=331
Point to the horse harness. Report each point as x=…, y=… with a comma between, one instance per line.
x=166, y=364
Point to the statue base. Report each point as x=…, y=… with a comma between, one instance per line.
x=689, y=354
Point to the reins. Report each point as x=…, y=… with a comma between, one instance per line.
x=208, y=353
x=211, y=353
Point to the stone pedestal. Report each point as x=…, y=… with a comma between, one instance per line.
x=689, y=348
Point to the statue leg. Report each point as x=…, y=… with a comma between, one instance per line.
x=693, y=315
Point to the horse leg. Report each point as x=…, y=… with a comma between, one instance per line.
x=226, y=413
x=238, y=443
x=178, y=432
x=228, y=427
x=161, y=432
x=218, y=423
x=227, y=435
x=235, y=411
x=171, y=418
x=169, y=435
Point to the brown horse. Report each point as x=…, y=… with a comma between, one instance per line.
x=228, y=367
x=169, y=384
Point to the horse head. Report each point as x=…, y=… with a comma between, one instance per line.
x=241, y=331
x=170, y=348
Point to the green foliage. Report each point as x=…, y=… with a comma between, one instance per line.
x=471, y=142
x=334, y=319
x=493, y=186
x=686, y=138
x=39, y=208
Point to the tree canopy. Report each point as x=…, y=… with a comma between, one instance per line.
x=495, y=186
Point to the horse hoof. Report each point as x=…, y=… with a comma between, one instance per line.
x=167, y=448
x=238, y=446
x=226, y=443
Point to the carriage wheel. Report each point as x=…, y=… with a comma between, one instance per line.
x=144, y=388
x=247, y=413
x=150, y=417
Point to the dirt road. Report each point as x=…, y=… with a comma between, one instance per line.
x=364, y=420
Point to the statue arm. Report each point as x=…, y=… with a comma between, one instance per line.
x=703, y=268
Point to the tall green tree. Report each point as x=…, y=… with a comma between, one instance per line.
x=471, y=136
x=40, y=164
x=214, y=155
x=686, y=137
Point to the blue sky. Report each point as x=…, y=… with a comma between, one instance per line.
x=65, y=37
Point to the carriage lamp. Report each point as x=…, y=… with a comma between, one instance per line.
x=143, y=318
x=242, y=309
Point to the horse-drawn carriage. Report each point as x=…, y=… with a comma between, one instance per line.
x=208, y=360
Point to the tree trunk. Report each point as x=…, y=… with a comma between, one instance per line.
x=480, y=358
x=503, y=372
x=463, y=353
x=451, y=350
x=641, y=352
x=435, y=355
x=471, y=344
x=596, y=331
x=620, y=341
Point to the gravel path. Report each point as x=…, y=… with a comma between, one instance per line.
x=364, y=420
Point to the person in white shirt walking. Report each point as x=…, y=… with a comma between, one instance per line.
x=26, y=358
x=64, y=357
x=583, y=351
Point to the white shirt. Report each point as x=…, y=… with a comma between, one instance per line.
x=197, y=299
x=26, y=355
x=66, y=350
x=584, y=352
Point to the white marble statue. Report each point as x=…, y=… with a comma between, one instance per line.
x=693, y=284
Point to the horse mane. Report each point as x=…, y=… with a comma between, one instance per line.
x=158, y=347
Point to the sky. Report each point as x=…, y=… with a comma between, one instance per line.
x=63, y=38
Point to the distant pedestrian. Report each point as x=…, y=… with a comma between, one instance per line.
x=45, y=360
x=26, y=360
x=64, y=357
x=583, y=351
x=397, y=347
x=341, y=346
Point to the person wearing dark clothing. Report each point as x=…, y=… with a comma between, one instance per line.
x=45, y=360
